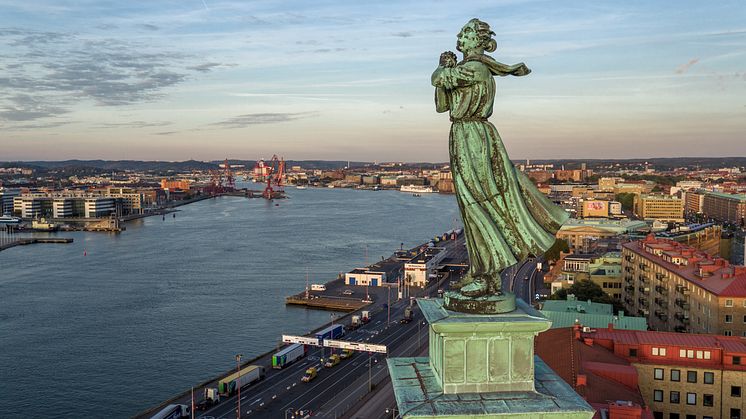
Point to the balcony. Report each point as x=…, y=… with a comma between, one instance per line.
x=661, y=315
x=629, y=301
x=643, y=267
x=661, y=277
x=680, y=329
x=643, y=290
x=684, y=304
x=661, y=290
x=682, y=317
x=643, y=279
x=661, y=303
x=630, y=288
x=642, y=301
x=682, y=289
x=628, y=269
x=629, y=258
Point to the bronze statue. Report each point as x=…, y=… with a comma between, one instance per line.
x=506, y=219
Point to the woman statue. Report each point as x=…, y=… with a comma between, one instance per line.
x=506, y=219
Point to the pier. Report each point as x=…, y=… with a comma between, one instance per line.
x=27, y=241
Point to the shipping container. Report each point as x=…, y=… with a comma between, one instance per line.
x=288, y=355
x=330, y=332
x=248, y=375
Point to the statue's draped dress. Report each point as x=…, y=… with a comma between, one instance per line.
x=505, y=217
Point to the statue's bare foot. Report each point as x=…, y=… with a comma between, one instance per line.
x=476, y=288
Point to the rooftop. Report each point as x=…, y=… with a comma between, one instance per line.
x=572, y=305
x=619, y=226
x=593, y=372
x=562, y=319
x=714, y=274
x=735, y=197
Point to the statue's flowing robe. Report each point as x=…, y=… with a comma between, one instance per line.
x=506, y=218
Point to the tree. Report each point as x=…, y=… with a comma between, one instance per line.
x=627, y=200
x=553, y=254
x=585, y=290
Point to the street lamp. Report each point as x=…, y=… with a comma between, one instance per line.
x=393, y=412
x=292, y=413
x=238, y=383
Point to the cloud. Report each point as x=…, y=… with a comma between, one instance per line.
x=148, y=27
x=403, y=34
x=69, y=69
x=206, y=67
x=685, y=67
x=24, y=107
x=165, y=132
x=246, y=120
x=133, y=124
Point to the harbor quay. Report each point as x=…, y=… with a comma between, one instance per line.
x=335, y=385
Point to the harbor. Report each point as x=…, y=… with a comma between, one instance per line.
x=181, y=297
x=12, y=242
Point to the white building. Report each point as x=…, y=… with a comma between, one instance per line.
x=62, y=207
x=362, y=276
x=417, y=271
x=97, y=207
x=6, y=200
x=27, y=206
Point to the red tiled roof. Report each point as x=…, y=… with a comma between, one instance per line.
x=730, y=344
x=569, y=357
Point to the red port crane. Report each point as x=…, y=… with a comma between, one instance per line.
x=275, y=177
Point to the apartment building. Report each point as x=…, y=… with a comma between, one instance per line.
x=659, y=207
x=725, y=207
x=679, y=288
x=680, y=375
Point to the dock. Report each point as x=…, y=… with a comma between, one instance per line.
x=24, y=242
x=326, y=303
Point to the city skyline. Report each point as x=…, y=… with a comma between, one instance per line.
x=207, y=80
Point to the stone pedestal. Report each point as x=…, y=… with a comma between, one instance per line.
x=482, y=366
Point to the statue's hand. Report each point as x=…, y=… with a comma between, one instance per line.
x=448, y=59
x=520, y=69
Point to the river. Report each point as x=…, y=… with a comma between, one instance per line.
x=114, y=323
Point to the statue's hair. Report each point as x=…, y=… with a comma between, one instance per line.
x=484, y=34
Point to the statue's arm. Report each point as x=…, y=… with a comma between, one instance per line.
x=519, y=69
x=461, y=75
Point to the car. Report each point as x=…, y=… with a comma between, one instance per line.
x=365, y=300
x=348, y=292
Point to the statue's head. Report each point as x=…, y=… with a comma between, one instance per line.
x=476, y=35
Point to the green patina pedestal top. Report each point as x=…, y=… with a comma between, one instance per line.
x=482, y=366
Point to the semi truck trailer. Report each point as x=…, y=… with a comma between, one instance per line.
x=229, y=385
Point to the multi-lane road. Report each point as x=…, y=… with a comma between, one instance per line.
x=282, y=394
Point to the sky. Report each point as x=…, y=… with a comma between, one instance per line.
x=349, y=80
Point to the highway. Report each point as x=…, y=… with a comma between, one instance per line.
x=526, y=280
x=282, y=391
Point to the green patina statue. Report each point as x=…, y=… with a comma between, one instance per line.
x=506, y=219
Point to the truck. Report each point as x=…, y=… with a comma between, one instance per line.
x=354, y=323
x=288, y=355
x=332, y=361
x=318, y=287
x=250, y=374
x=210, y=398
x=330, y=332
x=408, y=314
x=346, y=353
x=365, y=317
x=310, y=375
x=173, y=411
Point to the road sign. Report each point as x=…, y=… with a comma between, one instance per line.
x=300, y=339
x=355, y=346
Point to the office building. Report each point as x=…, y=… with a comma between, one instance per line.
x=659, y=207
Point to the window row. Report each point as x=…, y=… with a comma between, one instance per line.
x=691, y=376
x=708, y=400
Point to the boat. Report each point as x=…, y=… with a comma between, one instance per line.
x=416, y=189
x=300, y=187
x=9, y=220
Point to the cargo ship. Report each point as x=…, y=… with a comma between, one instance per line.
x=416, y=189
